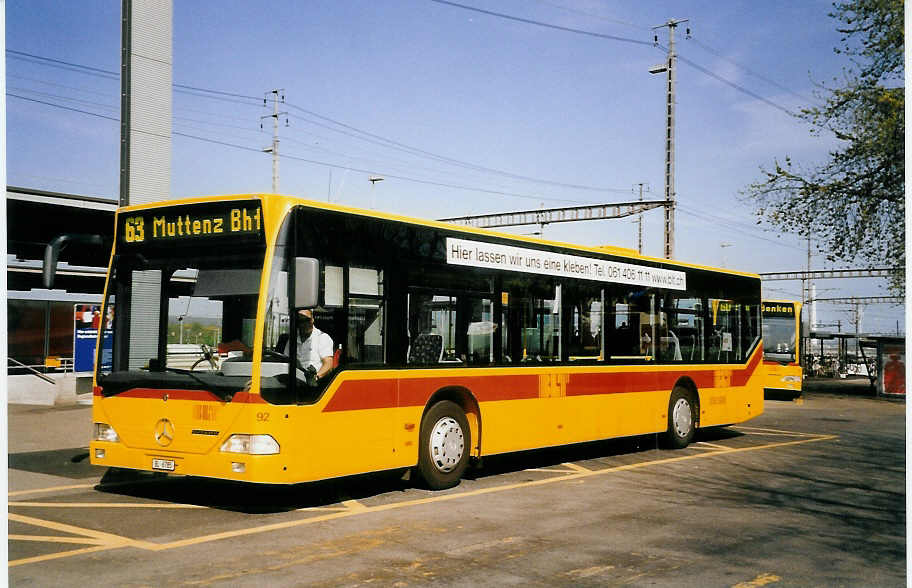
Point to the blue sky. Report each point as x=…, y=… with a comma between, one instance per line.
x=462, y=112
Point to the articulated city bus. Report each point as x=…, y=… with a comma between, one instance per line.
x=782, y=347
x=441, y=343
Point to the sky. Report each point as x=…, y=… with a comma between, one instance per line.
x=460, y=111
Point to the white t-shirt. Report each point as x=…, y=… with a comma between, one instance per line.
x=312, y=350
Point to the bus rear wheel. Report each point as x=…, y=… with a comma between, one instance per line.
x=444, y=445
x=682, y=418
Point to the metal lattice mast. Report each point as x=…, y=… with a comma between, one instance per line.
x=669, y=69
x=640, y=224
x=546, y=216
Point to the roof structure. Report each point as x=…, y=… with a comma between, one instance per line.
x=35, y=217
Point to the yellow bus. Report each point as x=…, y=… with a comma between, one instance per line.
x=447, y=343
x=782, y=348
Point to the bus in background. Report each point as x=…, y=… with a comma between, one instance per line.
x=448, y=343
x=782, y=348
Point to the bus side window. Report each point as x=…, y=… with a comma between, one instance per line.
x=365, y=316
x=480, y=331
x=632, y=316
x=725, y=340
x=530, y=325
x=683, y=338
x=431, y=328
x=583, y=312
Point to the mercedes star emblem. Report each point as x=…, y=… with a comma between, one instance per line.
x=164, y=432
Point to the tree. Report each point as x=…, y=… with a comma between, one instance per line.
x=853, y=204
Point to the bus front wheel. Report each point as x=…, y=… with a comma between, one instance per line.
x=444, y=442
x=682, y=418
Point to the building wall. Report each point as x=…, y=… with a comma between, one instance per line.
x=40, y=324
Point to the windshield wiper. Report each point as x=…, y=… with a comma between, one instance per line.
x=222, y=394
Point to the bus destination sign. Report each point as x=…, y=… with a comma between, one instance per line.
x=183, y=223
x=785, y=309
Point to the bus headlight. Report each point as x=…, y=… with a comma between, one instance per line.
x=791, y=378
x=251, y=444
x=105, y=432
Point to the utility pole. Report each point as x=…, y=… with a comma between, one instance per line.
x=373, y=180
x=276, y=96
x=669, y=68
x=722, y=246
x=810, y=285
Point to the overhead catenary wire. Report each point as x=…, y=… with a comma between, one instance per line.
x=721, y=222
x=543, y=24
x=746, y=69
x=734, y=227
x=415, y=150
x=379, y=140
x=371, y=137
x=620, y=39
x=537, y=197
x=626, y=23
x=351, y=131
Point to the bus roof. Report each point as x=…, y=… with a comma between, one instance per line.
x=294, y=200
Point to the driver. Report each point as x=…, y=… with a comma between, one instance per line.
x=315, y=348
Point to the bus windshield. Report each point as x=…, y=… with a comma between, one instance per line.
x=779, y=339
x=181, y=310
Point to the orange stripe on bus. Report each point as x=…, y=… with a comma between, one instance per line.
x=373, y=394
x=363, y=394
x=394, y=391
x=740, y=377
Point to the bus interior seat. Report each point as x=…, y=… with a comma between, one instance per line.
x=427, y=348
x=281, y=343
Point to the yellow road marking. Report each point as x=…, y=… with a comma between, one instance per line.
x=118, y=541
x=764, y=434
x=589, y=572
x=105, y=505
x=551, y=470
x=109, y=538
x=761, y=580
x=353, y=505
x=51, y=489
x=467, y=494
x=756, y=430
x=50, y=556
x=701, y=444
x=57, y=539
x=576, y=467
x=321, y=508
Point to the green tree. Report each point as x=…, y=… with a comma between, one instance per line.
x=853, y=203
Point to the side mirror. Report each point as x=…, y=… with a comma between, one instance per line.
x=307, y=282
x=52, y=253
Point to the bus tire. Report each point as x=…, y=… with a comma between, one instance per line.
x=682, y=418
x=444, y=445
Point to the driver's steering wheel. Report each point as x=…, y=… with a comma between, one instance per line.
x=275, y=355
x=207, y=356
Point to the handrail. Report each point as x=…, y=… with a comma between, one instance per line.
x=33, y=371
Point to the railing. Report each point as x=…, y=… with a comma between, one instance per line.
x=32, y=371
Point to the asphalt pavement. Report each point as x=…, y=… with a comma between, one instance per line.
x=811, y=493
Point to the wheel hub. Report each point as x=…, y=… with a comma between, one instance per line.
x=447, y=444
x=682, y=417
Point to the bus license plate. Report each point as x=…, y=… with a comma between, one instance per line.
x=163, y=464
